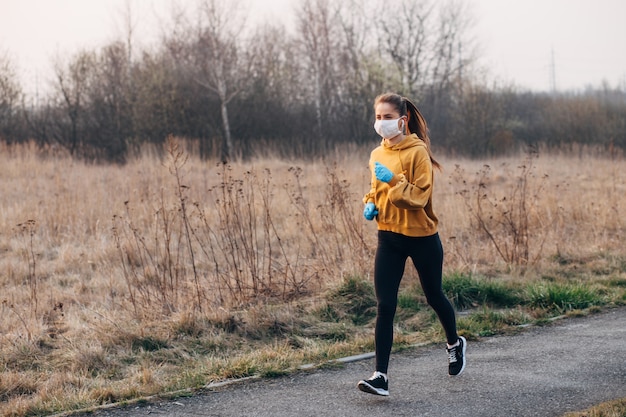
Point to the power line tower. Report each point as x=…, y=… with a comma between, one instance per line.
x=552, y=72
x=460, y=61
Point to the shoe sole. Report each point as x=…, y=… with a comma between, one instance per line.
x=365, y=387
x=464, y=360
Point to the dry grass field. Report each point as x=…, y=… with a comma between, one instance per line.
x=124, y=281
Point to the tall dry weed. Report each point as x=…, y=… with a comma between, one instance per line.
x=524, y=212
x=512, y=217
x=235, y=245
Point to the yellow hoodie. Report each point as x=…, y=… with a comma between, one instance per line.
x=405, y=203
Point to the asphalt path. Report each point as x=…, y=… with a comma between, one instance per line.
x=568, y=365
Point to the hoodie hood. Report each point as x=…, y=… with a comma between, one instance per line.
x=409, y=141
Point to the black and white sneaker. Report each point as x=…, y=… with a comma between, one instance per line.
x=456, y=357
x=377, y=385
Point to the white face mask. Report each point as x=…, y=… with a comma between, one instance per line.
x=388, y=128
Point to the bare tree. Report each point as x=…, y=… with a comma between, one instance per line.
x=10, y=93
x=424, y=39
x=72, y=83
x=317, y=27
x=274, y=64
x=220, y=62
x=452, y=58
x=452, y=48
x=406, y=36
x=358, y=82
x=128, y=27
x=276, y=87
x=156, y=101
x=110, y=101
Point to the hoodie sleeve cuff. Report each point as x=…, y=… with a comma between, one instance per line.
x=396, y=179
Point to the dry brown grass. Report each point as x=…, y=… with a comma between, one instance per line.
x=615, y=408
x=118, y=280
x=572, y=210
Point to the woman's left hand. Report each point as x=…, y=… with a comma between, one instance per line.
x=382, y=173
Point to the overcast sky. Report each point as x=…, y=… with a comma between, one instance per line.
x=584, y=41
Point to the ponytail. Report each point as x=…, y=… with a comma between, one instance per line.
x=416, y=122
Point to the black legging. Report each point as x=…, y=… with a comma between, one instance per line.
x=427, y=256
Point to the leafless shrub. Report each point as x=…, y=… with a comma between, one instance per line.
x=512, y=219
x=27, y=229
x=233, y=248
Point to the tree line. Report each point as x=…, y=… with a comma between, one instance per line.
x=238, y=88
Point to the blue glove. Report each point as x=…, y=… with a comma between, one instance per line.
x=382, y=172
x=369, y=212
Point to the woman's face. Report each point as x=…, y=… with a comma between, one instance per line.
x=386, y=111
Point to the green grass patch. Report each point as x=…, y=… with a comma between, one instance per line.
x=410, y=301
x=560, y=298
x=617, y=282
x=353, y=300
x=148, y=344
x=467, y=291
x=488, y=322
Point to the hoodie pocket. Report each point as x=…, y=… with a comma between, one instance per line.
x=389, y=213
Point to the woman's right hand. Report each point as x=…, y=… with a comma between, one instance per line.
x=382, y=173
